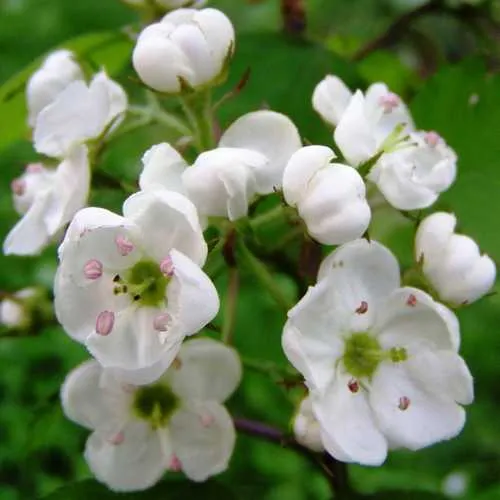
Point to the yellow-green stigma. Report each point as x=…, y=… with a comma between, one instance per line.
x=155, y=404
x=362, y=355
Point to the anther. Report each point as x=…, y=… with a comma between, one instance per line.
x=432, y=139
x=124, y=245
x=363, y=308
x=137, y=297
x=353, y=385
x=167, y=266
x=175, y=464
x=116, y=278
x=161, y=322
x=18, y=186
x=104, y=323
x=92, y=270
x=404, y=403
x=34, y=168
x=117, y=439
x=411, y=301
x=389, y=102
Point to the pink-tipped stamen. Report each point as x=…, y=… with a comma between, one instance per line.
x=363, y=308
x=404, y=403
x=18, y=186
x=167, y=266
x=411, y=301
x=353, y=386
x=389, y=102
x=92, y=269
x=161, y=322
x=432, y=139
x=105, y=322
x=175, y=464
x=34, y=168
x=124, y=245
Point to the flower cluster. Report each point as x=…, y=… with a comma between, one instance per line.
x=379, y=356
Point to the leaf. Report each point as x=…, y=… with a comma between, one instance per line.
x=166, y=490
x=406, y=495
x=110, y=50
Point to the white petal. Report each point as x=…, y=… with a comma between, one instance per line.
x=412, y=319
x=330, y=99
x=203, y=450
x=163, y=167
x=166, y=220
x=117, y=98
x=300, y=169
x=85, y=402
x=349, y=430
x=135, y=464
x=426, y=419
x=208, y=370
x=354, y=134
x=306, y=428
x=433, y=234
x=192, y=296
x=270, y=134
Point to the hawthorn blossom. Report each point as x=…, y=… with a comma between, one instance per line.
x=249, y=160
x=47, y=199
x=381, y=361
x=187, y=48
x=414, y=176
x=329, y=197
x=130, y=287
x=177, y=423
x=452, y=263
x=79, y=113
x=58, y=70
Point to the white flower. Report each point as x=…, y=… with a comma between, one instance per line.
x=130, y=287
x=13, y=312
x=381, y=362
x=413, y=177
x=187, y=46
x=47, y=199
x=79, y=113
x=250, y=160
x=57, y=71
x=176, y=423
x=452, y=263
x=330, y=99
x=368, y=121
x=306, y=428
x=167, y=4
x=330, y=197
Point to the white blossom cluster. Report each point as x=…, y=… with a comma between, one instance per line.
x=380, y=359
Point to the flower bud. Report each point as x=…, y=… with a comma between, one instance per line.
x=188, y=47
x=13, y=313
x=451, y=262
x=331, y=98
x=306, y=428
x=56, y=73
x=330, y=197
x=166, y=4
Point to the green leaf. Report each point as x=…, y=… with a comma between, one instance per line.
x=406, y=495
x=109, y=50
x=166, y=490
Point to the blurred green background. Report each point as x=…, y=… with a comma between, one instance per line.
x=442, y=59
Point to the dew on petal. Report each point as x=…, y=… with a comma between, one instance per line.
x=117, y=439
x=167, y=266
x=92, y=269
x=404, y=403
x=161, y=322
x=104, y=323
x=34, y=168
x=411, y=301
x=175, y=464
x=389, y=102
x=124, y=245
x=432, y=139
x=207, y=420
x=353, y=385
x=18, y=187
x=363, y=308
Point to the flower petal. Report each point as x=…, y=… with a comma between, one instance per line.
x=208, y=370
x=203, y=438
x=331, y=98
x=135, y=464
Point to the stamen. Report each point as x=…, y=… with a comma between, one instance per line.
x=363, y=308
x=432, y=139
x=353, y=385
x=117, y=439
x=404, y=403
x=18, y=186
x=92, y=269
x=389, y=102
x=175, y=464
x=167, y=266
x=412, y=300
x=34, y=168
x=161, y=322
x=125, y=246
x=104, y=323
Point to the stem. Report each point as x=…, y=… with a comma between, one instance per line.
x=156, y=114
x=270, y=216
x=334, y=471
x=230, y=308
x=198, y=111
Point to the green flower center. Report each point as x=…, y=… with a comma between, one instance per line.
x=155, y=404
x=144, y=282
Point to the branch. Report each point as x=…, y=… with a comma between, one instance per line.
x=334, y=471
